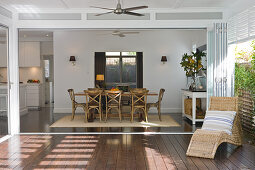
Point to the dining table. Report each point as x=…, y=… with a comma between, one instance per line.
x=123, y=94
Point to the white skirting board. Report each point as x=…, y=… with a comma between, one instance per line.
x=23, y=111
x=152, y=110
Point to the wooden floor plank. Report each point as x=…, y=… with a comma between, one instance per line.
x=140, y=158
x=104, y=154
x=119, y=152
x=113, y=154
x=246, y=151
x=121, y=156
x=222, y=155
x=171, y=150
x=131, y=161
x=155, y=152
x=98, y=154
x=187, y=160
x=169, y=162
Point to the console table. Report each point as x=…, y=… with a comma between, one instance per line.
x=194, y=95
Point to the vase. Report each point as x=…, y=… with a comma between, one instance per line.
x=192, y=86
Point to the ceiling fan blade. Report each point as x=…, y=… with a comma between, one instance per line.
x=104, y=13
x=101, y=7
x=121, y=35
x=133, y=13
x=135, y=8
x=130, y=32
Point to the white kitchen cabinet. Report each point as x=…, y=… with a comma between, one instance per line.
x=29, y=54
x=33, y=95
x=4, y=99
x=3, y=55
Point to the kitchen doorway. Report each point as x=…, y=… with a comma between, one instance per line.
x=4, y=82
x=48, y=74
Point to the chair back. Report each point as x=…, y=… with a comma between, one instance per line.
x=137, y=89
x=161, y=94
x=113, y=97
x=93, y=96
x=71, y=94
x=139, y=96
x=224, y=103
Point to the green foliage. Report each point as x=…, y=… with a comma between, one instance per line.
x=192, y=63
x=244, y=77
x=253, y=55
x=245, y=73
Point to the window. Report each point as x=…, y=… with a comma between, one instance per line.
x=121, y=69
x=47, y=68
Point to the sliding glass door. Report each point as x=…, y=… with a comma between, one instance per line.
x=4, y=85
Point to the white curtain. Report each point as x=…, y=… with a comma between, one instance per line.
x=220, y=64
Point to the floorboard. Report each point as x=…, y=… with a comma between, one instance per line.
x=116, y=152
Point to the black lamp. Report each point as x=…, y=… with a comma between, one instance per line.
x=163, y=59
x=72, y=59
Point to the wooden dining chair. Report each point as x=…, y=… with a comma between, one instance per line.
x=113, y=101
x=139, y=101
x=75, y=104
x=93, y=101
x=158, y=103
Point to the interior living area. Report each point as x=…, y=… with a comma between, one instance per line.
x=127, y=84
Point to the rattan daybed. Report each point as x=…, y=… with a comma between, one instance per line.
x=204, y=143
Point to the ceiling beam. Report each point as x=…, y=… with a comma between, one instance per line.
x=8, y=7
x=178, y=4
x=65, y=4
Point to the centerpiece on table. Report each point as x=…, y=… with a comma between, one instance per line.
x=192, y=65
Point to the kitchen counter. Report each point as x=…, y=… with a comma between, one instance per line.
x=4, y=85
x=22, y=97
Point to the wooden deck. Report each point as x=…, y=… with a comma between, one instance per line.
x=116, y=152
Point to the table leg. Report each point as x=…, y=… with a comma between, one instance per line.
x=183, y=112
x=194, y=100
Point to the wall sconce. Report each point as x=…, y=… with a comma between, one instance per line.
x=163, y=59
x=73, y=60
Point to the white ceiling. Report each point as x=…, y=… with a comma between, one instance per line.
x=40, y=5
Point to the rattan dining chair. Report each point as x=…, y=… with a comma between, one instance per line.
x=204, y=143
x=139, y=101
x=75, y=104
x=93, y=101
x=158, y=103
x=113, y=101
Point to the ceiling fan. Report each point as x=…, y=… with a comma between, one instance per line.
x=122, y=34
x=120, y=10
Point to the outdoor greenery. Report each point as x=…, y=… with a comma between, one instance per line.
x=245, y=72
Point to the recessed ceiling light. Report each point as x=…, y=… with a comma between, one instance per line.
x=47, y=35
x=25, y=35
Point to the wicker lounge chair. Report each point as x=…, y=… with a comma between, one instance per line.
x=204, y=143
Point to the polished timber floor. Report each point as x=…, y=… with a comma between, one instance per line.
x=40, y=121
x=116, y=151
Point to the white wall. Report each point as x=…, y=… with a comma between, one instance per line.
x=46, y=48
x=153, y=44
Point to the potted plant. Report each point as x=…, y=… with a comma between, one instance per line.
x=192, y=64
